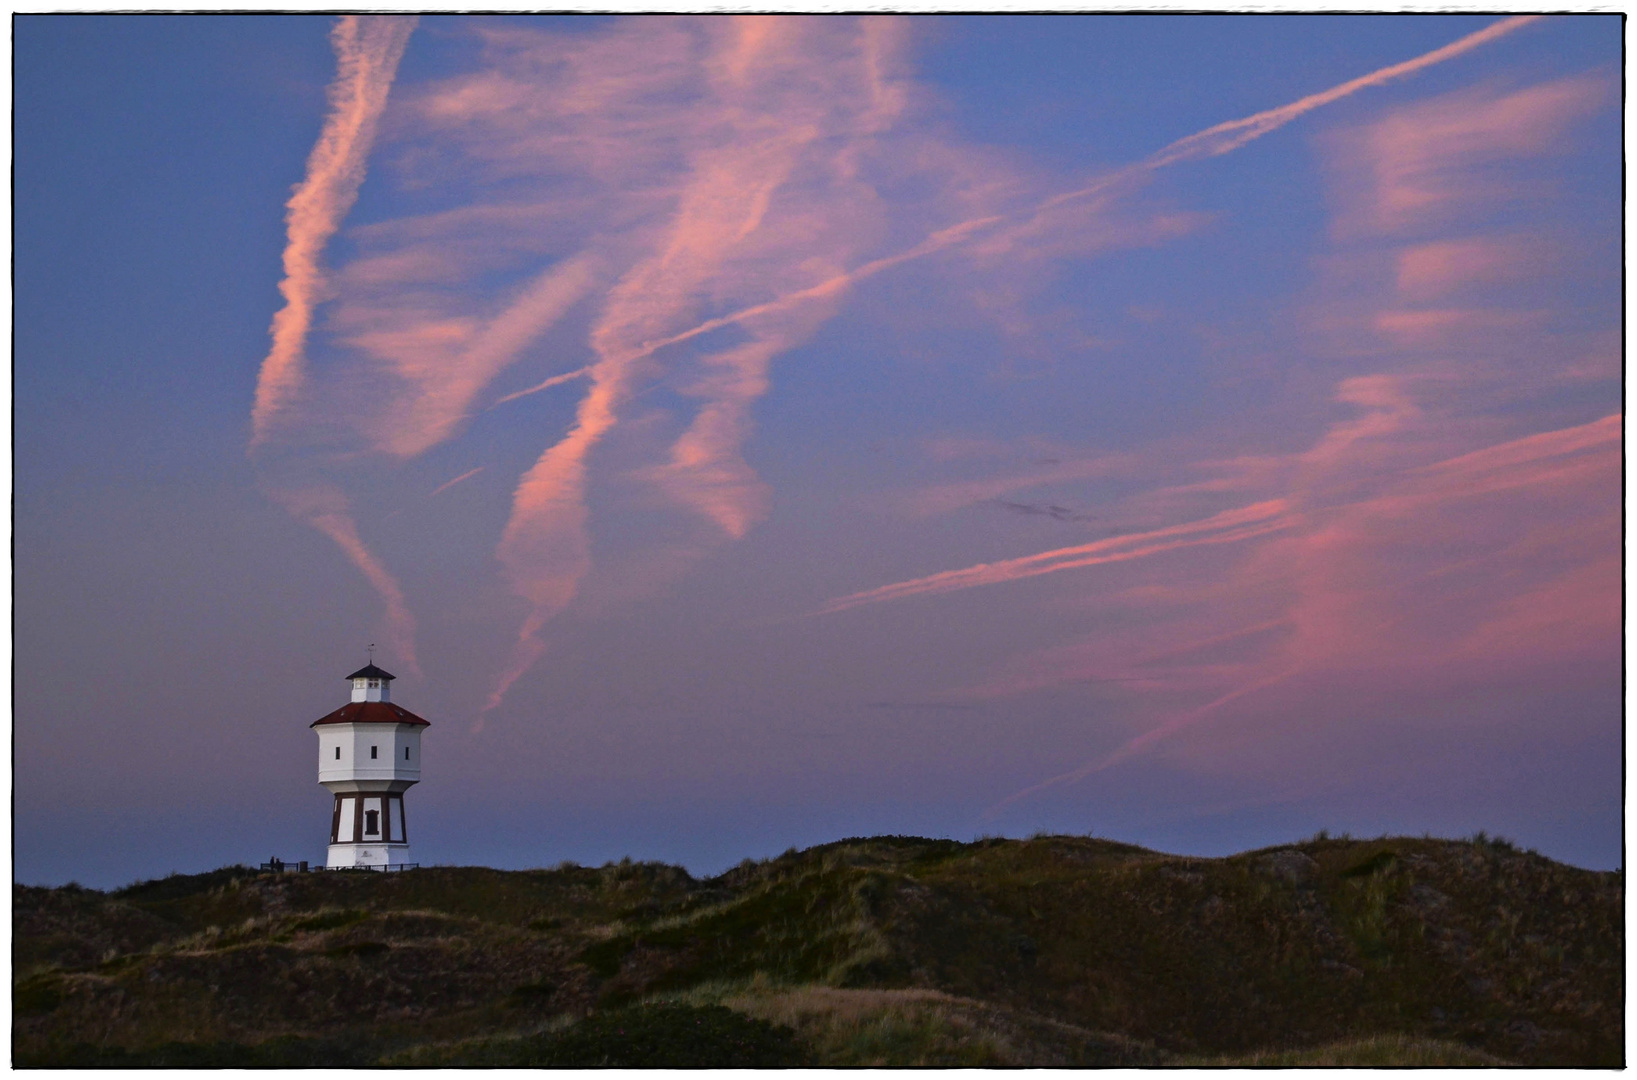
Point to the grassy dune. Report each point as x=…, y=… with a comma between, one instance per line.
x=1380, y=1051
x=882, y=951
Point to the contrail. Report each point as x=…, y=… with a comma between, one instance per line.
x=367, y=49
x=547, y=527
x=1232, y=134
x=1242, y=523
x=555, y=380
x=1468, y=475
x=1213, y=141
x=325, y=508
x=463, y=476
x=1141, y=742
x=1236, y=133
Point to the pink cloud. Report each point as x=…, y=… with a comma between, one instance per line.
x=1370, y=560
x=367, y=50
x=1432, y=270
x=325, y=508
x=1504, y=559
x=1227, y=527
x=1432, y=326
x=686, y=201
x=723, y=209
x=448, y=363
x=1431, y=162
x=1235, y=133
x=447, y=484
x=555, y=380
x=1061, y=210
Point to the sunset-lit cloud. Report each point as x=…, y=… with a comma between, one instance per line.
x=367, y=51
x=547, y=384
x=1431, y=270
x=447, y=484
x=1375, y=547
x=448, y=363
x=1230, y=135
x=1435, y=162
x=674, y=204
x=325, y=508
x=1408, y=583
x=1421, y=549
x=744, y=431
x=1233, y=134
x=1224, y=528
x=705, y=469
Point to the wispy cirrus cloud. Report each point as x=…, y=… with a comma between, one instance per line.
x=1430, y=541
x=325, y=508
x=675, y=204
x=1503, y=559
x=1230, y=135
x=1421, y=540
x=1433, y=270
x=367, y=50
x=1225, y=528
x=446, y=363
x=767, y=202
x=447, y=484
x=547, y=384
x=1445, y=161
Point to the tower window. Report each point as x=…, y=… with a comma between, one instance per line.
x=406, y=753
x=372, y=751
x=372, y=822
x=375, y=684
x=338, y=753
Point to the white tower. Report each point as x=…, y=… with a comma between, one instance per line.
x=369, y=753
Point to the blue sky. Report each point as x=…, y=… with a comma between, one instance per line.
x=965, y=427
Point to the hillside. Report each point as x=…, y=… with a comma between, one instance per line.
x=891, y=950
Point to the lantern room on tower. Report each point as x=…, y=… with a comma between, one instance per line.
x=369, y=754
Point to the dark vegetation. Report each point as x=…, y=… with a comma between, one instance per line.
x=1051, y=951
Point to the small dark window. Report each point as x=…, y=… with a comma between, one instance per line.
x=372, y=751
x=338, y=753
x=374, y=684
x=372, y=822
x=406, y=753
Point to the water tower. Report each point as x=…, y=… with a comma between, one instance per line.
x=369, y=754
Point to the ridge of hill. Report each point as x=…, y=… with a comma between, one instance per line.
x=1056, y=950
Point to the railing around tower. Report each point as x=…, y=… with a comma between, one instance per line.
x=279, y=866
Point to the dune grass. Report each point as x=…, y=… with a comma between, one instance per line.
x=1377, y=1051
x=917, y=1027
x=888, y=951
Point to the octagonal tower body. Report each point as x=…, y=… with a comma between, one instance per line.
x=369, y=754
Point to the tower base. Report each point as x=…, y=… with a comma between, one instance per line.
x=343, y=856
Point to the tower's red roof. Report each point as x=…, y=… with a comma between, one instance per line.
x=371, y=712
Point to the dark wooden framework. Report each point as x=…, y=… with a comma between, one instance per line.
x=385, y=836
